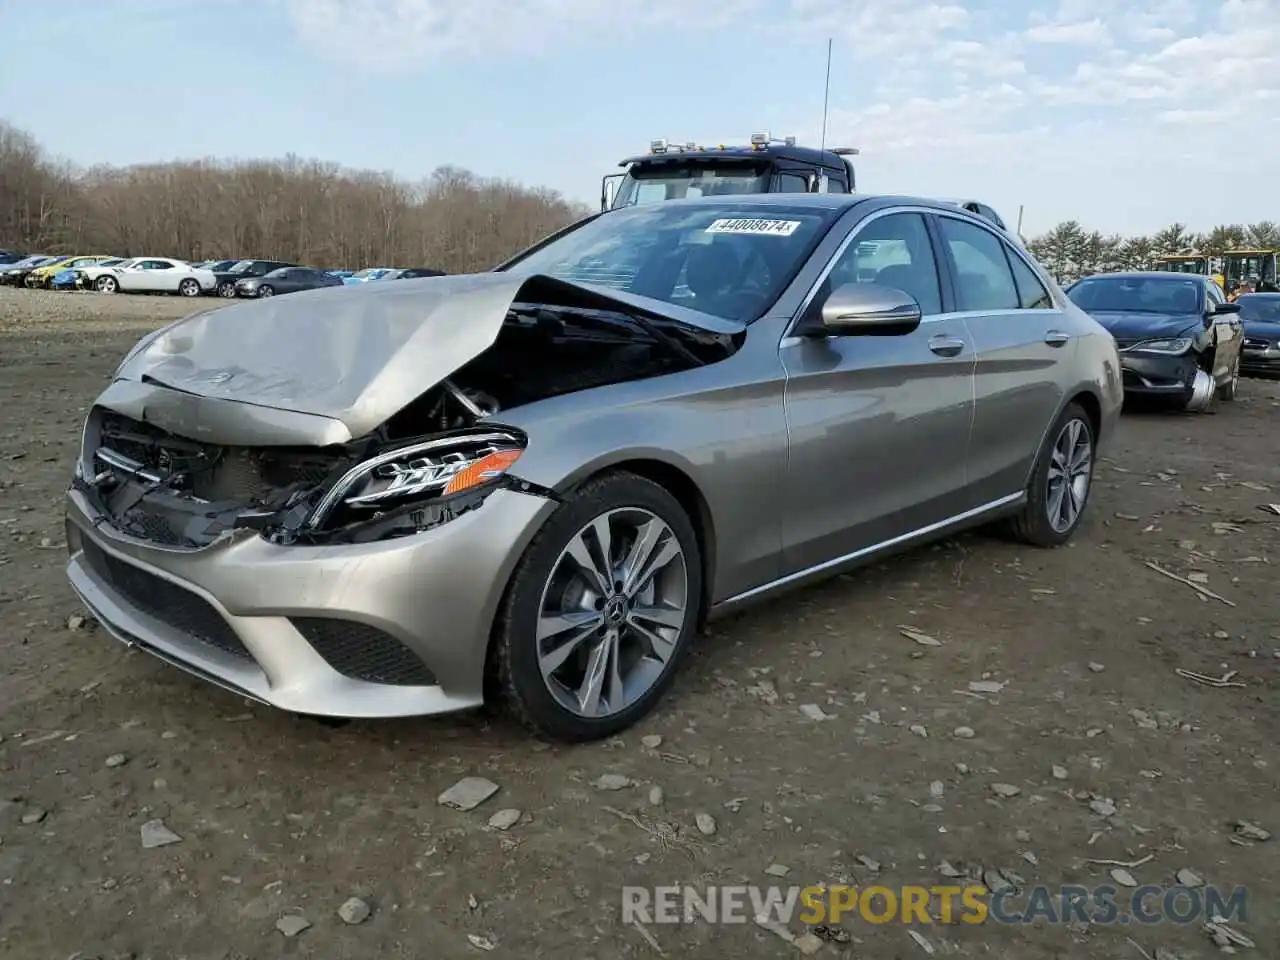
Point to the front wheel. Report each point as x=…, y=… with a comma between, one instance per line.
x=226, y=290
x=600, y=610
x=107, y=285
x=266, y=291
x=189, y=287
x=1060, y=484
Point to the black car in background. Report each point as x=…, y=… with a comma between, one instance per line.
x=286, y=280
x=244, y=270
x=413, y=273
x=1179, y=338
x=1261, y=315
x=8, y=257
x=217, y=266
x=15, y=273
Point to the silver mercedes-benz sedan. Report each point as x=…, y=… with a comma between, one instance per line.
x=537, y=483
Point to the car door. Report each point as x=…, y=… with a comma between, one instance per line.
x=133, y=278
x=877, y=426
x=1022, y=340
x=148, y=277
x=1228, y=334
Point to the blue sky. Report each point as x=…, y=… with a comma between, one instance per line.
x=1124, y=114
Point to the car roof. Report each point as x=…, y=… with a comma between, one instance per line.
x=1150, y=274
x=1263, y=295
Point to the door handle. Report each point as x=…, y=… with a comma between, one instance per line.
x=945, y=346
x=1056, y=338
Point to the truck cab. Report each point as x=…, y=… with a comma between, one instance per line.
x=766, y=165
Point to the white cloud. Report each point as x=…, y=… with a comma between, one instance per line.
x=399, y=34
x=1085, y=32
x=1065, y=97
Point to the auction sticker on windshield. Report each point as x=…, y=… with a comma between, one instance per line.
x=771, y=228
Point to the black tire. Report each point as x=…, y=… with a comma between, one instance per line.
x=189, y=287
x=1228, y=391
x=226, y=290
x=521, y=686
x=1033, y=524
x=266, y=290
x=107, y=284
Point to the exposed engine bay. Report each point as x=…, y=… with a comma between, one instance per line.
x=438, y=457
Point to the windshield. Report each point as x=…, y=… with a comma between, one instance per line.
x=666, y=181
x=241, y=267
x=368, y=272
x=111, y=262
x=1122, y=294
x=731, y=260
x=1259, y=308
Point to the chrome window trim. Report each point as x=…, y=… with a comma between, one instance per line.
x=812, y=292
x=1021, y=254
x=954, y=213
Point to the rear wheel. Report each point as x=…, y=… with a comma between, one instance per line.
x=1060, y=484
x=1228, y=390
x=189, y=287
x=600, y=610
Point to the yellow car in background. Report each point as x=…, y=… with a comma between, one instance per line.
x=43, y=276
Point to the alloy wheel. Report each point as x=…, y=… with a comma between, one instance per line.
x=1070, y=473
x=611, y=612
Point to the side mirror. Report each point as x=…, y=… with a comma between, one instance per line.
x=609, y=190
x=1224, y=308
x=867, y=308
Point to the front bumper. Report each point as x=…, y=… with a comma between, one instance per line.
x=1260, y=362
x=1157, y=375
x=231, y=613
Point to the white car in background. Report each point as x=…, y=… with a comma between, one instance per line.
x=152, y=275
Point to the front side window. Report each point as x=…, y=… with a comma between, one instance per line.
x=894, y=251
x=983, y=278
x=728, y=259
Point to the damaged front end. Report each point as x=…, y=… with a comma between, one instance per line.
x=181, y=493
x=144, y=470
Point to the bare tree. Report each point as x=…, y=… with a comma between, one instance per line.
x=305, y=211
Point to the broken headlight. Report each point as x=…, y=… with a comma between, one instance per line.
x=419, y=472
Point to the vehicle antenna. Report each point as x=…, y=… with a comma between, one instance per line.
x=826, y=96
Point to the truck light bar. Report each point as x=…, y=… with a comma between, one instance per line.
x=759, y=141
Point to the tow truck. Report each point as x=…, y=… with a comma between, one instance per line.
x=673, y=171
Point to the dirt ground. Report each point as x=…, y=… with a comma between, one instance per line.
x=281, y=816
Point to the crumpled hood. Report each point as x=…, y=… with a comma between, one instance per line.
x=1147, y=326
x=359, y=354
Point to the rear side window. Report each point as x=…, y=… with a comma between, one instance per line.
x=983, y=278
x=1031, y=292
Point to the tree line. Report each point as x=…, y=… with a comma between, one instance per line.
x=308, y=211
x=1068, y=251
x=303, y=211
